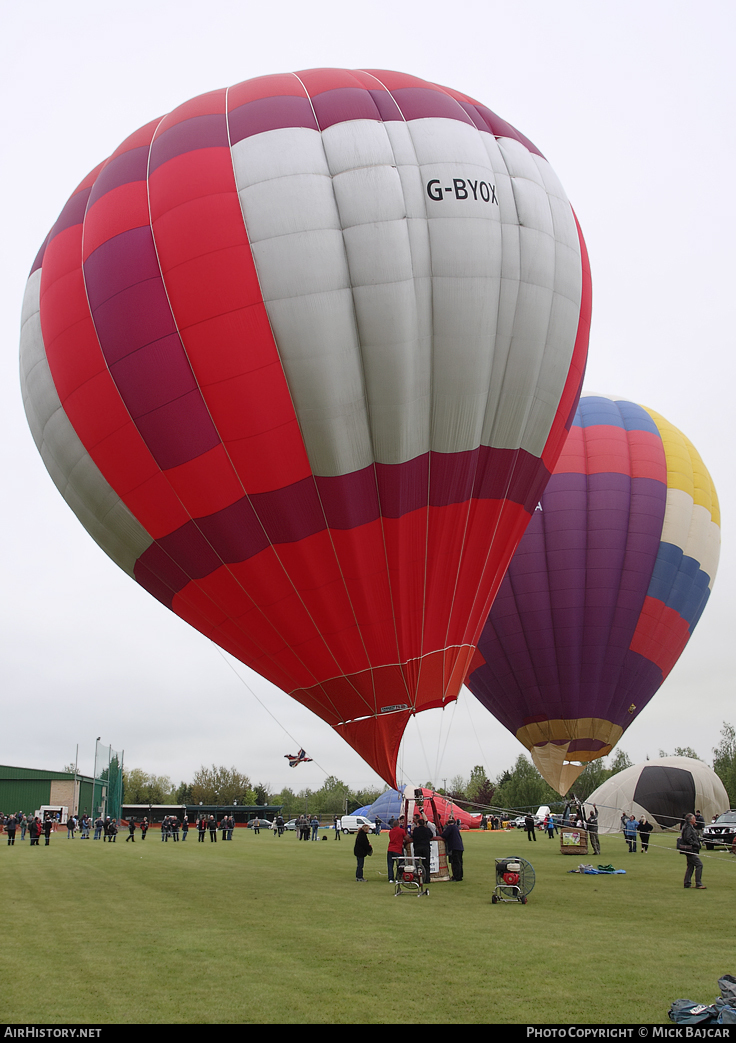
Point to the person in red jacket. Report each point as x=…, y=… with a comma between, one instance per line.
x=396, y=839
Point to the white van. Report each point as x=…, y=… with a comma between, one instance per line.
x=352, y=823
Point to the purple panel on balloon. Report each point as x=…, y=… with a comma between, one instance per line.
x=556, y=643
x=256, y=117
x=124, y=169
x=422, y=102
x=198, y=132
x=343, y=104
x=72, y=214
x=133, y=320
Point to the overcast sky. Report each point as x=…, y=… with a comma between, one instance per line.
x=632, y=104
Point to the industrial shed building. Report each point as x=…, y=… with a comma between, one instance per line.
x=28, y=789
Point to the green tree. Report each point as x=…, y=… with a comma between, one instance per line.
x=525, y=788
x=724, y=761
x=289, y=803
x=183, y=793
x=141, y=788
x=363, y=797
x=479, y=789
x=682, y=751
x=262, y=794
x=456, y=789
x=593, y=775
x=621, y=761
x=221, y=785
x=330, y=799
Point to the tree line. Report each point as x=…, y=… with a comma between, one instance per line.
x=518, y=787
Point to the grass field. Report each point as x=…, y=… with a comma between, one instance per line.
x=274, y=930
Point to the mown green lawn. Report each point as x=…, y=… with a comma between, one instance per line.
x=275, y=930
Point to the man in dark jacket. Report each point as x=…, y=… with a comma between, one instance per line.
x=421, y=838
x=644, y=829
x=690, y=837
x=455, y=847
x=529, y=827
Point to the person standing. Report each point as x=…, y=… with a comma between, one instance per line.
x=396, y=841
x=131, y=831
x=593, y=831
x=690, y=837
x=23, y=826
x=315, y=827
x=11, y=824
x=531, y=833
x=213, y=829
x=630, y=833
x=184, y=829
x=47, y=826
x=455, y=847
x=421, y=838
x=144, y=828
x=362, y=849
x=336, y=827
x=174, y=828
x=644, y=829
x=34, y=830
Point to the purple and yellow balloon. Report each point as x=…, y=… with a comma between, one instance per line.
x=604, y=590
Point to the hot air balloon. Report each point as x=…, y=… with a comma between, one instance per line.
x=292, y=353
x=663, y=789
x=604, y=590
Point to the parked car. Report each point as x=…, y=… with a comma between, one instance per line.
x=722, y=832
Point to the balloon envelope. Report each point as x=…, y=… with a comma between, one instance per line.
x=604, y=590
x=663, y=789
x=291, y=353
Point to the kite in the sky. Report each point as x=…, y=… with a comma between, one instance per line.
x=300, y=758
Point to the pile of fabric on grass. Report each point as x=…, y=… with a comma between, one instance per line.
x=721, y=1012
x=597, y=870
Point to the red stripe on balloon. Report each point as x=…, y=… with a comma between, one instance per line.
x=213, y=288
x=661, y=635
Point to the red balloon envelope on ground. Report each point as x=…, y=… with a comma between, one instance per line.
x=291, y=354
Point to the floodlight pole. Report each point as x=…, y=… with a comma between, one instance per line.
x=94, y=778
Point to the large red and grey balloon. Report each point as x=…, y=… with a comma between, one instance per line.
x=604, y=590
x=301, y=355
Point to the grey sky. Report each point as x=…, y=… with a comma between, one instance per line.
x=633, y=105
